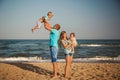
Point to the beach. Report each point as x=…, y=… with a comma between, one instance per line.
x=31, y=60
x=43, y=71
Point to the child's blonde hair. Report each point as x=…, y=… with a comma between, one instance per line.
x=49, y=13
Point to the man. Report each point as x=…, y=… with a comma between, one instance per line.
x=54, y=34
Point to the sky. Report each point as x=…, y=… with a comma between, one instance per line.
x=88, y=19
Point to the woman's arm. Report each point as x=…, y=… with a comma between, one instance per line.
x=65, y=45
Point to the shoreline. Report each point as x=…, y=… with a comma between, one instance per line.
x=36, y=59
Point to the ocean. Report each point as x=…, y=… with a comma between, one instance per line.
x=40, y=49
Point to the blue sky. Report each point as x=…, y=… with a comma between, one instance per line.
x=89, y=19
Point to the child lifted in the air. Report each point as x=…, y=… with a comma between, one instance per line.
x=40, y=20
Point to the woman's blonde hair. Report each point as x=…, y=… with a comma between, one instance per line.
x=61, y=37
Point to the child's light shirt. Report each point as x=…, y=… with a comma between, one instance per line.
x=74, y=41
x=39, y=24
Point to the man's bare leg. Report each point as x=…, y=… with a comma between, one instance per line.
x=55, y=70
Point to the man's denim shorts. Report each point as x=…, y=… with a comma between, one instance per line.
x=53, y=53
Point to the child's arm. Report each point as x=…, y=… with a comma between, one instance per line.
x=72, y=46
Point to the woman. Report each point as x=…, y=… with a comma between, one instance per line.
x=67, y=45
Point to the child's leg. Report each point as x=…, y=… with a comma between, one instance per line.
x=37, y=26
x=34, y=28
x=72, y=48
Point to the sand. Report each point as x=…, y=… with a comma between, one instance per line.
x=43, y=71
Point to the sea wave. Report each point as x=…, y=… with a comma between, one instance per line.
x=40, y=59
x=99, y=45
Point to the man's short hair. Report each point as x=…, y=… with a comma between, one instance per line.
x=57, y=26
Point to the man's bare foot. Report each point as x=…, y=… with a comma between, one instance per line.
x=53, y=77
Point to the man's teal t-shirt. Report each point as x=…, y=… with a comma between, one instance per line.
x=54, y=34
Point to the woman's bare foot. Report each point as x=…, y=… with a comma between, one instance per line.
x=66, y=76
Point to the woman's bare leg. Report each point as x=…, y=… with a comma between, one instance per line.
x=67, y=67
x=70, y=60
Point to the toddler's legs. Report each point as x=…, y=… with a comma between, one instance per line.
x=73, y=48
x=37, y=26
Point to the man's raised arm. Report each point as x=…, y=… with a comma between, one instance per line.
x=47, y=26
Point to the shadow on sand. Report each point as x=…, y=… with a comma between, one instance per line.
x=30, y=67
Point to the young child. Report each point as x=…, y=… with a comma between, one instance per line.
x=40, y=21
x=73, y=41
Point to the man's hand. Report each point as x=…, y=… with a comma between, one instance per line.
x=47, y=26
x=42, y=19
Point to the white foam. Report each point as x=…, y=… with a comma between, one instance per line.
x=98, y=45
x=37, y=59
x=21, y=59
x=91, y=45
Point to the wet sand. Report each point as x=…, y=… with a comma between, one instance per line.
x=43, y=71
